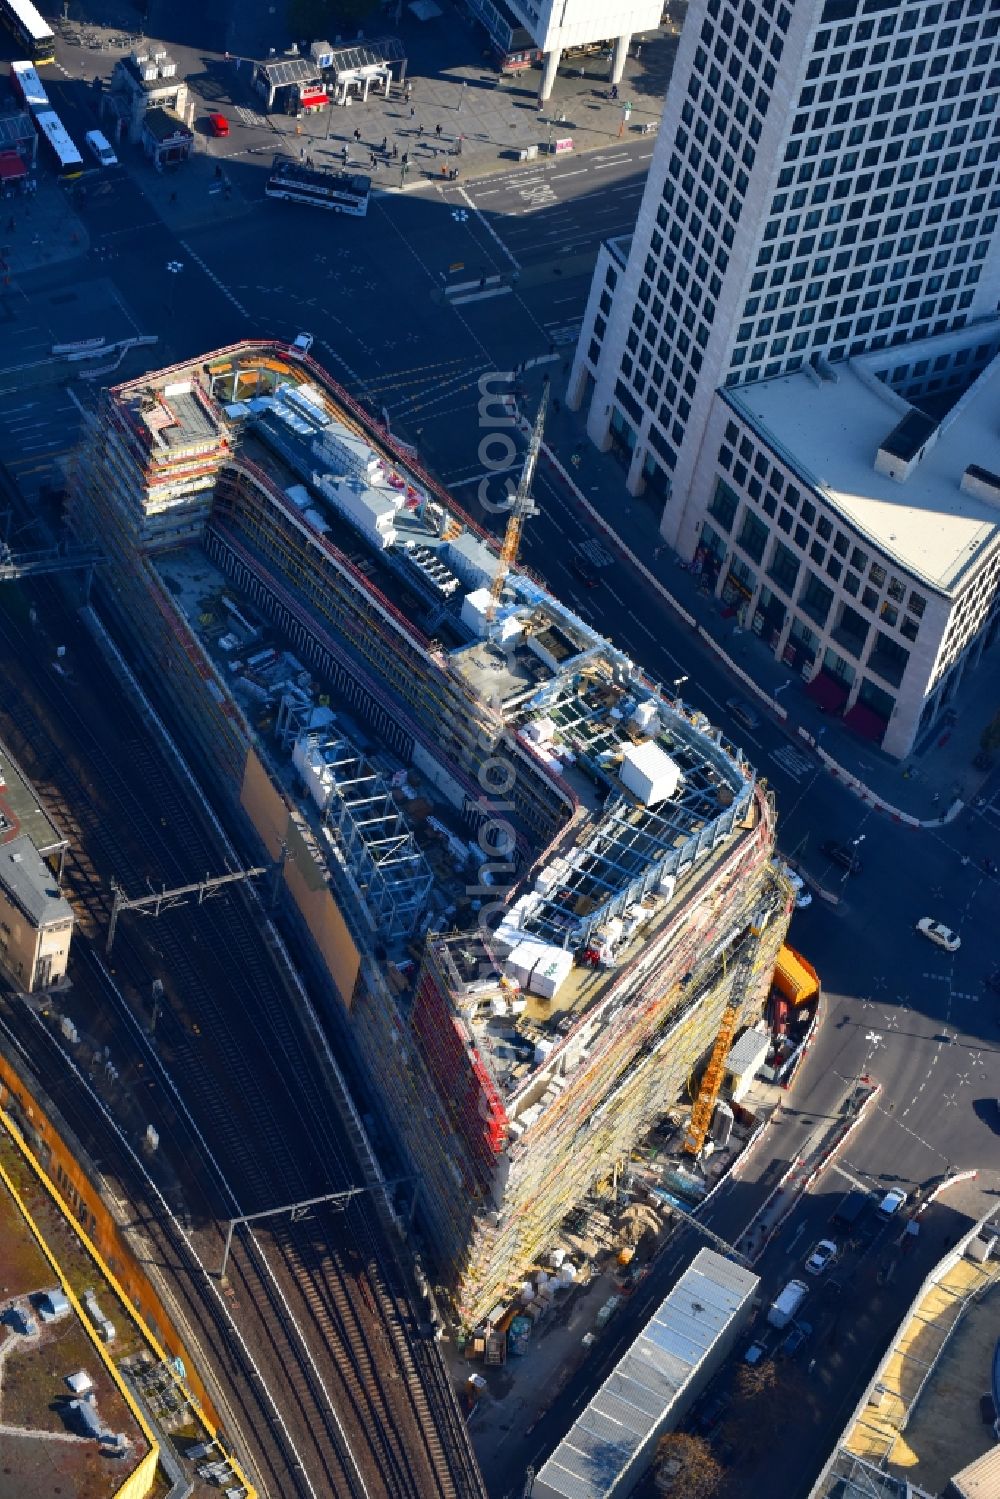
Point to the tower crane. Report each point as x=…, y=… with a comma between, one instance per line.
x=522, y=506
x=701, y=1111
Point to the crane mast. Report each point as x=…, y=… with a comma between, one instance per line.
x=704, y=1104
x=522, y=506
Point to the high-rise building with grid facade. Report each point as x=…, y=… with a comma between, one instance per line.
x=824, y=184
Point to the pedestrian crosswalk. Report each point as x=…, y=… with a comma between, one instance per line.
x=793, y=761
x=563, y=333
x=248, y=116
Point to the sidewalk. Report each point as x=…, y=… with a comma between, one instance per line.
x=456, y=86
x=38, y=229
x=923, y=787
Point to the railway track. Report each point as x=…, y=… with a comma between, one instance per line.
x=366, y=1404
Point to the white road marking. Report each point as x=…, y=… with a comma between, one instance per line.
x=490, y=230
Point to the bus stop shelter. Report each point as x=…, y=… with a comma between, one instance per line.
x=352, y=72
x=282, y=81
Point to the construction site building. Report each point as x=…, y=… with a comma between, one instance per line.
x=521, y=877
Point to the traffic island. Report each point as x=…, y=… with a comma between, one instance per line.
x=803, y=1171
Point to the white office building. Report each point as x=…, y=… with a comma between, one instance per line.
x=556, y=26
x=824, y=183
x=850, y=517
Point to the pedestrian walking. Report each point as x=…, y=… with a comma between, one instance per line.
x=413, y=110
x=395, y=150
x=420, y=132
x=373, y=158
x=437, y=131
x=309, y=161
x=302, y=153
x=344, y=153
x=385, y=143
x=357, y=136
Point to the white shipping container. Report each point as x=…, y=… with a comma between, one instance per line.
x=649, y=773
x=550, y=972
x=520, y=963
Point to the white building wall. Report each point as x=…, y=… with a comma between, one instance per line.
x=574, y=23
x=951, y=631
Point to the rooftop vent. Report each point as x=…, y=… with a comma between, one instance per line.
x=981, y=483
x=906, y=444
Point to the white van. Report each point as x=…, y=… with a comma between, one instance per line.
x=100, y=146
x=785, y=1306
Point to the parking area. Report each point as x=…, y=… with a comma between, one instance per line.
x=824, y=1289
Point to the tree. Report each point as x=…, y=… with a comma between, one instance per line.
x=322, y=20
x=989, y=740
x=754, y=1380
x=686, y=1467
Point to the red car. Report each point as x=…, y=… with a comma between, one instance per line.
x=218, y=125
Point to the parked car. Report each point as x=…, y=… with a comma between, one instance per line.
x=801, y=1332
x=822, y=1257
x=744, y=715
x=940, y=935
x=218, y=125
x=784, y=1307
x=891, y=1203
x=584, y=571
x=100, y=148
x=710, y=1416
x=850, y=1208
x=842, y=854
x=755, y=1353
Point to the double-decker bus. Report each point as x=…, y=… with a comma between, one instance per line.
x=56, y=138
x=322, y=187
x=34, y=36
x=28, y=87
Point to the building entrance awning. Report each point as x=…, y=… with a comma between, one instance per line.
x=866, y=722
x=828, y=692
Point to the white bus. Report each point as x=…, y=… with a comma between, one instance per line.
x=321, y=187
x=63, y=154
x=34, y=36
x=28, y=87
